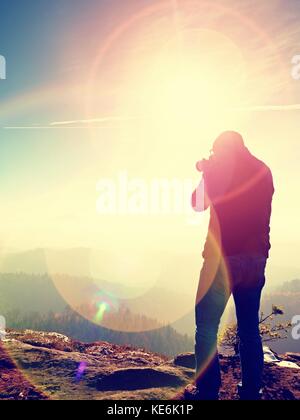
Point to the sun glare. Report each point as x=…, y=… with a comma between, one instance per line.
x=180, y=82
x=192, y=78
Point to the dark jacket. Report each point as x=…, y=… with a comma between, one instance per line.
x=239, y=194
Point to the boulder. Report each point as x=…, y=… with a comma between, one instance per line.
x=139, y=378
x=186, y=360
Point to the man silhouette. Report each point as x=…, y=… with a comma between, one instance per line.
x=238, y=188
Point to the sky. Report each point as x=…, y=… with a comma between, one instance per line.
x=99, y=88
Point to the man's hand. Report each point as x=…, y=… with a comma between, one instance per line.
x=202, y=165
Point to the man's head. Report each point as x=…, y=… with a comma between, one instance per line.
x=229, y=143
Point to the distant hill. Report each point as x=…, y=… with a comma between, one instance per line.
x=38, y=261
x=28, y=293
x=292, y=286
x=32, y=301
x=286, y=296
x=26, y=284
x=43, y=293
x=162, y=339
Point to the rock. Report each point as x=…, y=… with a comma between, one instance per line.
x=49, y=340
x=289, y=365
x=60, y=368
x=286, y=361
x=185, y=360
x=293, y=357
x=5, y=362
x=270, y=356
x=139, y=378
x=13, y=385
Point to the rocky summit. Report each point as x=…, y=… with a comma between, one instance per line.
x=38, y=365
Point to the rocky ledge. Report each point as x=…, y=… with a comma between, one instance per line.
x=37, y=365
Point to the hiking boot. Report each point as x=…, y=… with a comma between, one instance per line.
x=192, y=393
x=249, y=394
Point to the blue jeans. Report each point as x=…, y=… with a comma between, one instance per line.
x=244, y=277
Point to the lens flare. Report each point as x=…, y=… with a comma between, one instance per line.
x=178, y=13
x=103, y=307
x=81, y=370
x=104, y=303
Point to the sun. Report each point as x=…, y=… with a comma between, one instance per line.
x=191, y=78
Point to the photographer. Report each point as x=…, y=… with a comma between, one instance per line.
x=238, y=188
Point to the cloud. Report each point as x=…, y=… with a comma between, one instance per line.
x=266, y=108
x=84, y=123
x=92, y=121
x=37, y=127
x=87, y=123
